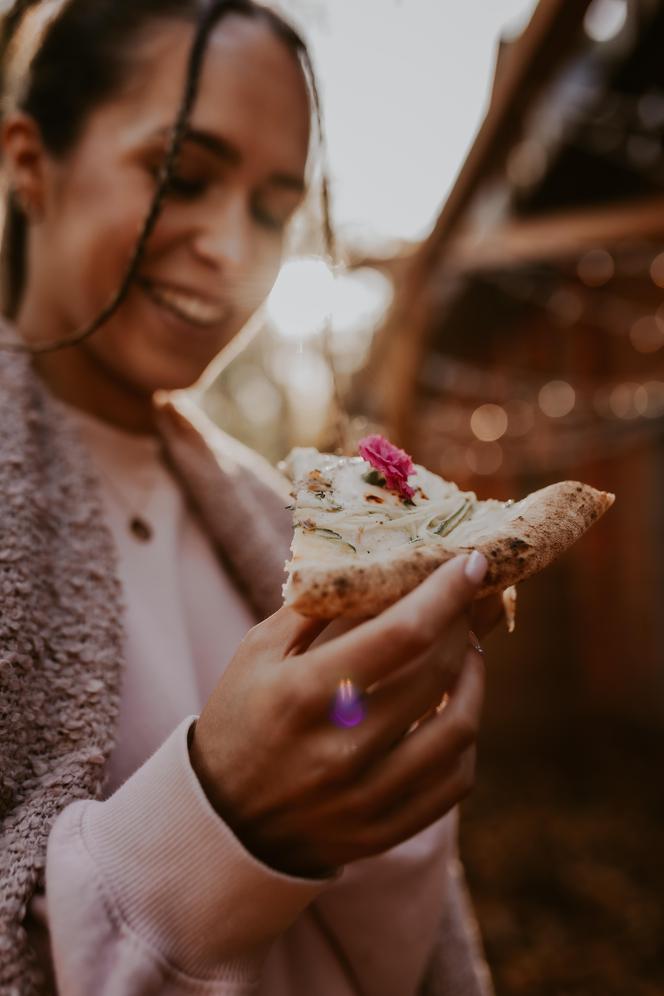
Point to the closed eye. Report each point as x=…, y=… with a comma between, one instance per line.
x=274, y=211
x=269, y=221
x=186, y=189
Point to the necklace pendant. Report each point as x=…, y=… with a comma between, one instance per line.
x=140, y=529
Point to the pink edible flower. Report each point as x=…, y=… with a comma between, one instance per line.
x=392, y=463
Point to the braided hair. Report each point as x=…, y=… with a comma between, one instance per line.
x=81, y=59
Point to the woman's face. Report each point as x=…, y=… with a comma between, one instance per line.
x=217, y=247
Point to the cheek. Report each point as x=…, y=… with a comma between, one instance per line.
x=261, y=274
x=94, y=244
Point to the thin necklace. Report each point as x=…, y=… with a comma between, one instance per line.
x=138, y=525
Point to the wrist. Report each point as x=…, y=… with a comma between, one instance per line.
x=286, y=860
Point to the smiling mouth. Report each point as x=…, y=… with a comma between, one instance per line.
x=188, y=307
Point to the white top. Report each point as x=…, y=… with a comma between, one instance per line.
x=184, y=618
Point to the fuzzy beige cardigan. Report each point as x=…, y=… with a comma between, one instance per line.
x=61, y=634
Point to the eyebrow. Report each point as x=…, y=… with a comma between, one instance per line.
x=230, y=154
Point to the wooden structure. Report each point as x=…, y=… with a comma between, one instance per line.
x=526, y=344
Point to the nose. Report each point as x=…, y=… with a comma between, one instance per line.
x=224, y=236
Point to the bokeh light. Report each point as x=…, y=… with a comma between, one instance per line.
x=301, y=301
x=657, y=270
x=654, y=390
x=623, y=401
x=605, y=19
x=647, y=334
x=557, y=398
x=489, y=423
x=361, y=299
x=596, y=268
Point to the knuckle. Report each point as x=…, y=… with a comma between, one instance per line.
x=341, y=759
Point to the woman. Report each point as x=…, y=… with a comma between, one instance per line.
x=185, y=829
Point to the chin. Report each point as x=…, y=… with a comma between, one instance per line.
x=168, y=377
x=151, y=355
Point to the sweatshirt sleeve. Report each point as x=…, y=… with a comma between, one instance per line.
x=398, y=924
x=150, y=892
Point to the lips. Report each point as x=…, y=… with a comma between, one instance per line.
x=187, y=305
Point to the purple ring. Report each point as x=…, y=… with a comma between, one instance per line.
x=348, y=708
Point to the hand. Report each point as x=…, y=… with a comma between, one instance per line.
x=306, y=796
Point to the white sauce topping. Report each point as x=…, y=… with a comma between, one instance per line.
x=339, y=514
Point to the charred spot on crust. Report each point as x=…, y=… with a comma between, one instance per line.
x=340, y=583
x=517, y=544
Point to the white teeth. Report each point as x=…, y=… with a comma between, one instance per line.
x=192, y=308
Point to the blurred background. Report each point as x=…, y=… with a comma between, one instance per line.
x=498, y=186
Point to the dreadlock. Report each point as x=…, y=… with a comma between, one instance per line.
x=80, y=60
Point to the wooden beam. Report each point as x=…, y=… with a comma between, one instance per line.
x=562, y=235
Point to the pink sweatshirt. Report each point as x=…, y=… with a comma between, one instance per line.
x=149, y=891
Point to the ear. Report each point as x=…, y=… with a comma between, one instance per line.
x=24, y=161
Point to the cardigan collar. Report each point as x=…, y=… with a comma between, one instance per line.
x=241, y=501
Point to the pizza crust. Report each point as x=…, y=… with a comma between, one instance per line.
x=545, y=524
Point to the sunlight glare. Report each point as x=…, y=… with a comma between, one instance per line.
x=301, y=301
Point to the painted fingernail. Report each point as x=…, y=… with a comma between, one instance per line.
x=475, y=643
x=476, y=567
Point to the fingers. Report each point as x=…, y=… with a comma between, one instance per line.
x=420, y=810
x=435, y=747
x=407, y=629
x=395, y=704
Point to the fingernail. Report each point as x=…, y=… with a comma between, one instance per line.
x=475, y=643
x=476, y=567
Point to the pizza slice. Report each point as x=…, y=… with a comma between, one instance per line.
x=370, y=528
